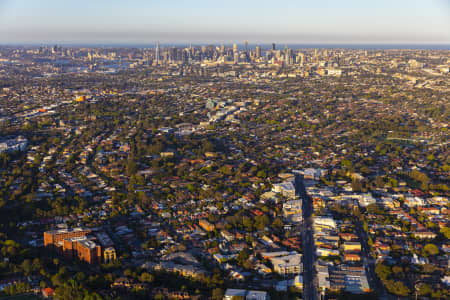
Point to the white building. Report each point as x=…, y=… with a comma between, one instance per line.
x=323, y=223
x=292, y=210
x=324, y=277
x=315, y=174
x=257, y=295
x=245, y=294
x=230, y=293
x=14, y=144
x=413, y=201
x=334, y=72
x=288, y=265
x=356, y=284
x=326, y=252
x=416, y=260
x=285, y=188
x=366, y=199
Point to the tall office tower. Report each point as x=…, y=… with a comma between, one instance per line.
x=278, y=54
x=185, y=55
x=302, y=59
x=172, y=54
x=246, y=46
x=222, y=49
x=315, y=52
x=325, y=53
x=210, y=50
x=273, y=46
x=287, y=55
x=258, y=51
x=157, y=52
x=235, y=49
x=236, y=57
x=147, y=57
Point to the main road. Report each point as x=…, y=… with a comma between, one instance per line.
x=309, y=274
x=374, y=283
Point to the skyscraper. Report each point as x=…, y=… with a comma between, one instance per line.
x=287, y=55
x=246, y=46
x=302, y=59
x=157, y=52
x=258, y=51
x=273, y=46
x=235, y=49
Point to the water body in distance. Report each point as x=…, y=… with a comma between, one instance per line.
x=264, y=46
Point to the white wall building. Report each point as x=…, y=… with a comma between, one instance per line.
x=288, y=265
x=14, y=144
x=323, y=223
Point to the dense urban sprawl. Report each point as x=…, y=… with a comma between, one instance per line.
x=216, y=172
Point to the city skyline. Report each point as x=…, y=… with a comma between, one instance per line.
x=220, y=150
x=324, y=22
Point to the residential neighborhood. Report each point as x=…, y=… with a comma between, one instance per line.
x=224, y=172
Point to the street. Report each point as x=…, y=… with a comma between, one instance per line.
x=309, y=275
x=372, y=278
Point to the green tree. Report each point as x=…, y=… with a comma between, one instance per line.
x=277, y=223
x=261, y=174
x=430, y=249
x=446, y=232
x=347, y=164
x=383, y=271
x=36, y=265
x=71, y=290
x=365, y=227
x=146, y=277
x=261, y=222
x=27, y=267
x=248, y=223
x=424, y=289
x=217, y=294
x=397, y=288
x=242, y=257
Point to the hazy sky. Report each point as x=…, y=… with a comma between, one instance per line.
x=197, y=21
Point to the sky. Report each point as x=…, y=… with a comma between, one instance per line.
x=229, y=21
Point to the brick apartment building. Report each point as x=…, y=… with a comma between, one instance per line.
x=206, y=225
x=75, y=243
x=82, y=247
x=55, y=238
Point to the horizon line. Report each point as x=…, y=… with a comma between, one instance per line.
x=174, y=43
